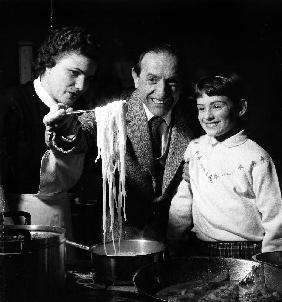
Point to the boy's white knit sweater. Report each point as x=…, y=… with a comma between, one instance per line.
x=233, y=195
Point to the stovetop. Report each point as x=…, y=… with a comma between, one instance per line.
x=81, y=285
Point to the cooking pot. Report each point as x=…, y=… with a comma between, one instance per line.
x=31, y=263
x=152, y=278
x=272, y=265
x=117, y=262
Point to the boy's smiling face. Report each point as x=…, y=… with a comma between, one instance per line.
x=217, y=115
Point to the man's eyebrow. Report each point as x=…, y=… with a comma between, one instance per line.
x=218, y=102
x=75, y=68
x=152, y=75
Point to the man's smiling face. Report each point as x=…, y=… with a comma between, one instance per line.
x=158, y=82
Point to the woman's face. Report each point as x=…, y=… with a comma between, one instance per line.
x=217, y=115
x=69, y=78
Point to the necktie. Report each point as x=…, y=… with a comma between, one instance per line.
x=155, y=124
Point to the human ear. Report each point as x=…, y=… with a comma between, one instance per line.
x=242, y=107
x=135, y=77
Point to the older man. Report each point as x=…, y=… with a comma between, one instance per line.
x=66, y=63
x=158, y=132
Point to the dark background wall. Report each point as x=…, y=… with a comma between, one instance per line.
x=242, y=35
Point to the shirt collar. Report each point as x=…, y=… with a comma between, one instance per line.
x=43, y=94
x=233, y=141
x=150, y=115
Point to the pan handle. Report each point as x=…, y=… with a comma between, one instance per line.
x=79, y=245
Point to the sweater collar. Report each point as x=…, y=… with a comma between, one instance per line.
x=233, y=141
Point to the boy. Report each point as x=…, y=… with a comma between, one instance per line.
x=232, y=199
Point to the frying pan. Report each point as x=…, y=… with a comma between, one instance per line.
x=152, y=278
x=120, y=264
x=272, y=265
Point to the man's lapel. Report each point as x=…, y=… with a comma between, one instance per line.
x=180, y=137
x=138, y=132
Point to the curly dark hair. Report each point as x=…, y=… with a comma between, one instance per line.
x=62, y=41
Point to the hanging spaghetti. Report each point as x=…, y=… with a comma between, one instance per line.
x=111, y=143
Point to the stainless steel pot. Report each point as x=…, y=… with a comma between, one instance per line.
x=272, y=265
x=152, y=278
x=118, y=262
x=32, y=263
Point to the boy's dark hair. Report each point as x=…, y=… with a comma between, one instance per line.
x=230, y=85
x=62, y=41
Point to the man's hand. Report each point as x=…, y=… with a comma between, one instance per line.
x=59, y=121
x=185, y=174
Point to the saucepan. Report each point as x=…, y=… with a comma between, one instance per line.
x=272, y=265
x=117, y=262
x=150, y=279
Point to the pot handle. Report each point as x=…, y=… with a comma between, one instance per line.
x=15, y=214
x=79, y=245
x=16, y=232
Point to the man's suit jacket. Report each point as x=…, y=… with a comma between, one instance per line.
x=140, y=168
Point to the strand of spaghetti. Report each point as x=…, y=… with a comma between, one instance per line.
x=121, y=168
x=122, y=150
x=111, y=171
x=101, y=144
x=111, y=143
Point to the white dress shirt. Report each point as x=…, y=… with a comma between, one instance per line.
x=164, y=127
x=43, y=94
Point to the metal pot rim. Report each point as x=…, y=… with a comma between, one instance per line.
x=33, y=227
x=98, y=249
x=38, y=243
